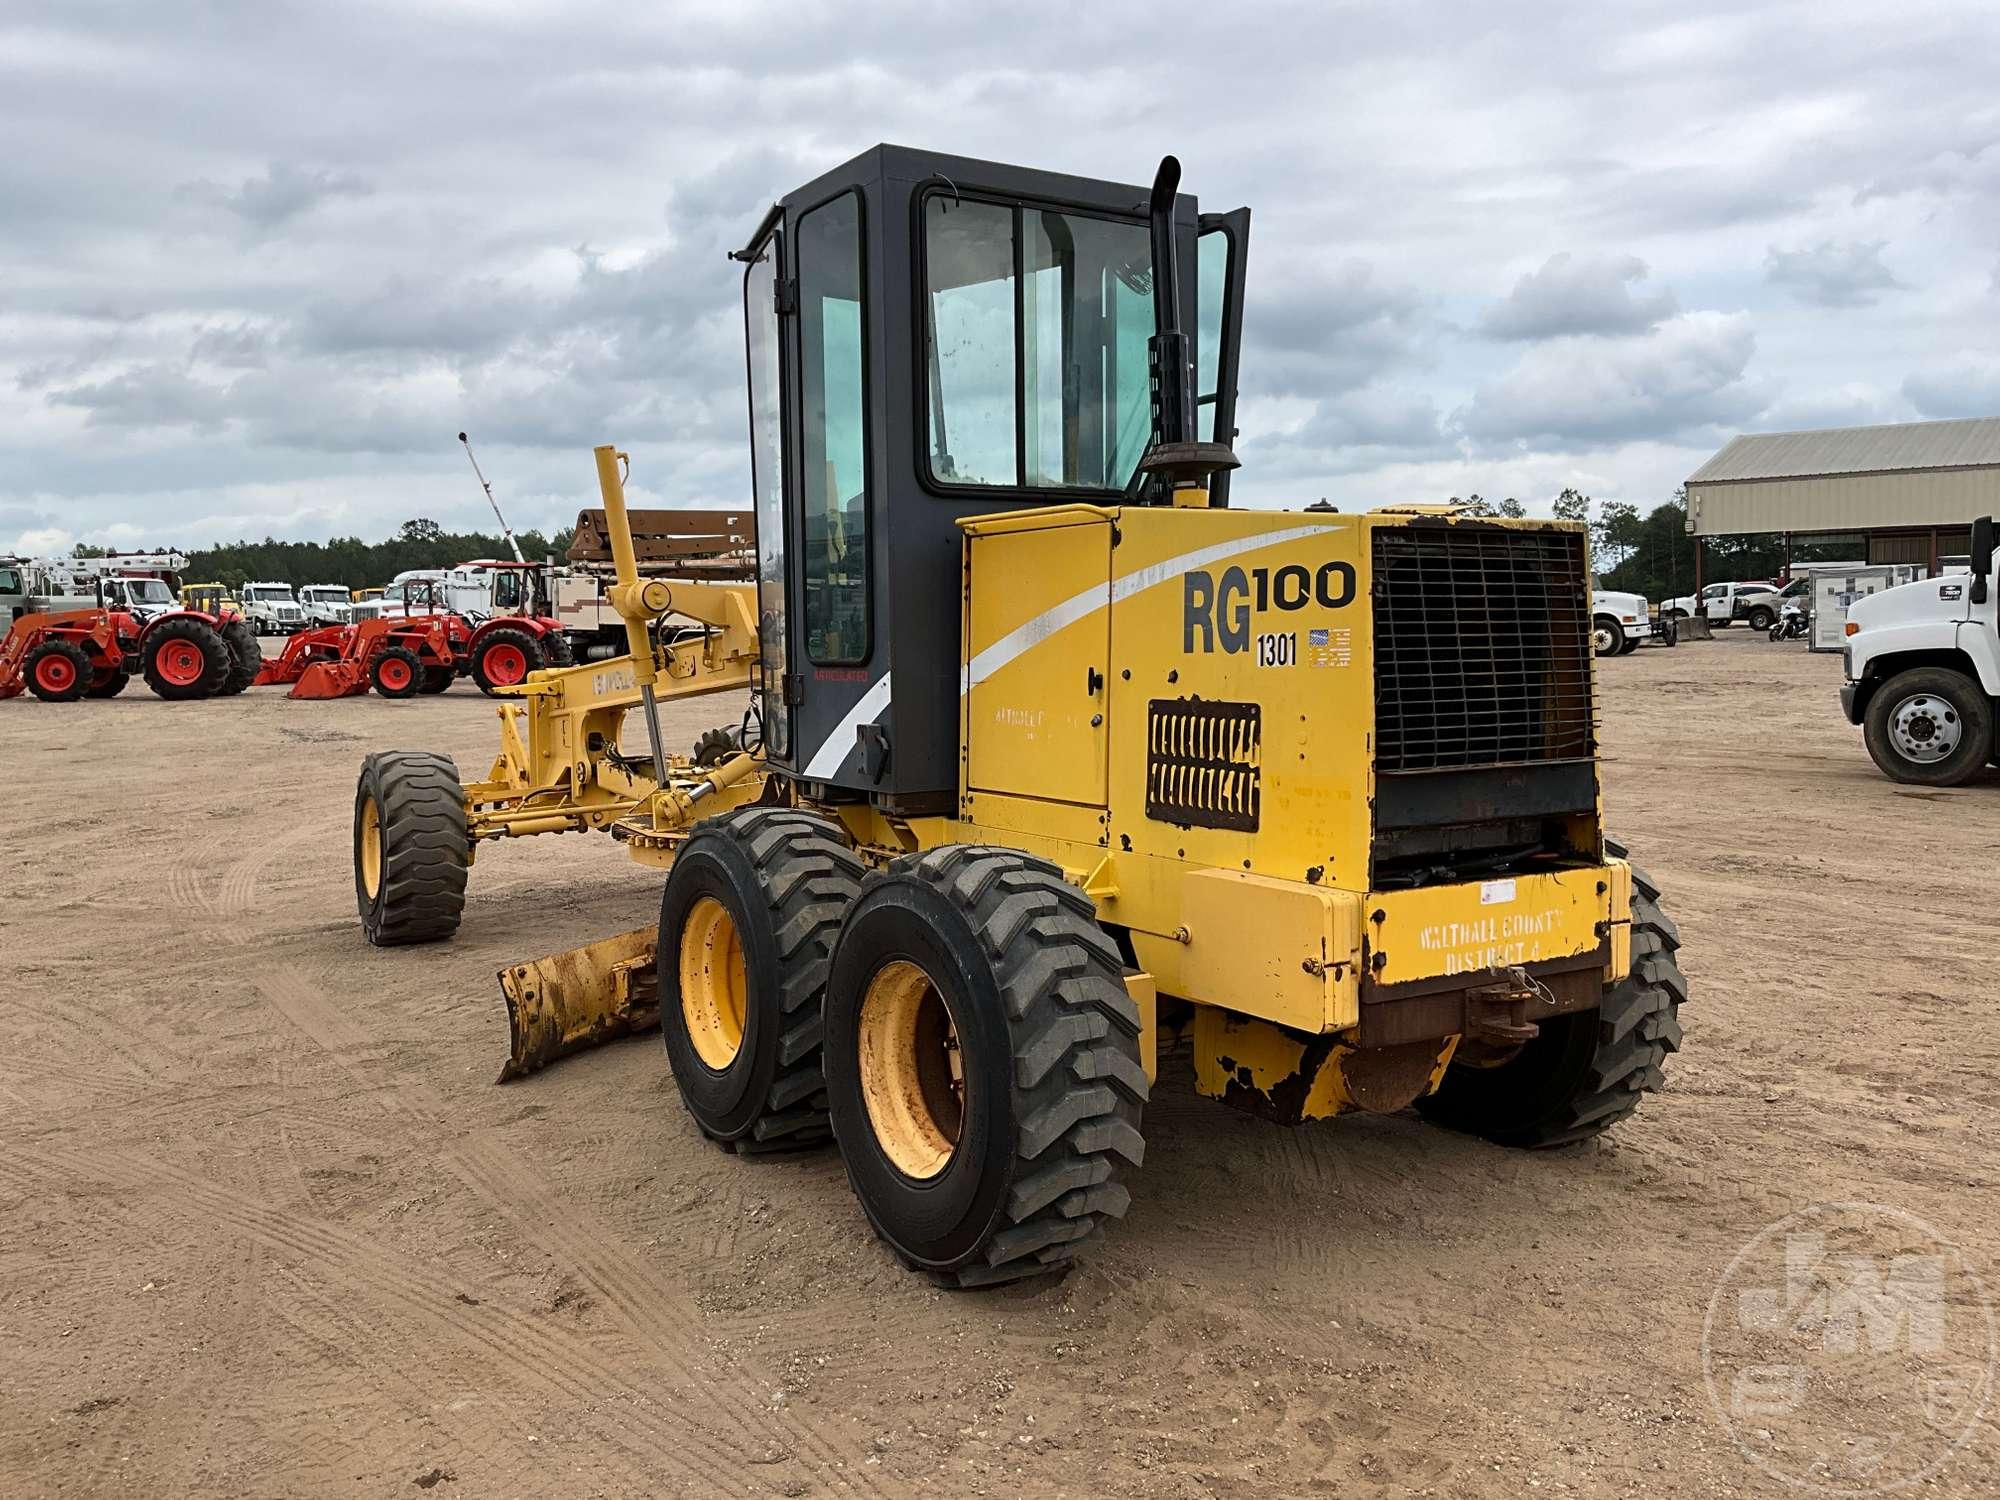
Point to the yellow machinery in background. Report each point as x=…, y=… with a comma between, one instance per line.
x=1057, y=763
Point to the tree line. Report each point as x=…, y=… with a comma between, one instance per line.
x=1652, y=554
x=353, y=562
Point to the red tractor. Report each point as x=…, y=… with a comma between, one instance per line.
x=94, y=653
x=508, y=609
x=402, y=655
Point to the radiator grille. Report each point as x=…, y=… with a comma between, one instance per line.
x=1482, y=647
x=1204, y=763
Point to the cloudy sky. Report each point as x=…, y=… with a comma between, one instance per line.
x=260, y=261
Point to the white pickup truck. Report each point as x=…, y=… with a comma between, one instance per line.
x=1754, y=602
x=1923, y=671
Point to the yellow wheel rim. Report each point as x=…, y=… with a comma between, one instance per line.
x=713, y=984
x=371, y=848
x=912, y=1072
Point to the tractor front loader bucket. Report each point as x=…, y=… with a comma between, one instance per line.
x=575, y=1000
x=330, y=662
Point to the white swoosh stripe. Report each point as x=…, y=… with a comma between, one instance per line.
x=1025, y=637
x=833, y=750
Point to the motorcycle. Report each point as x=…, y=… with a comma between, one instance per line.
x=1791, y=623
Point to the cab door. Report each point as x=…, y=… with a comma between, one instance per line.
x=763, y=277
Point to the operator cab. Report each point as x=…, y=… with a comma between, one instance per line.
x=929, y=338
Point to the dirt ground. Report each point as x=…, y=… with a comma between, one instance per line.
x=268, y=1228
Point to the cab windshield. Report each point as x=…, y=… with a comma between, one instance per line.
x=1036, y=325
x=149, y=591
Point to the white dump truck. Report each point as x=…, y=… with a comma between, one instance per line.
x=1922, y=671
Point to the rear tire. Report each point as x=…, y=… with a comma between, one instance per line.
x=1761, y=618
x=185, y=659
x=747, y=927
x=1586, y=1071
x=58, y=671
x=246, y=657
x=411, y=850
x=1914, y=713
x=397, y=672
x=982, y=1064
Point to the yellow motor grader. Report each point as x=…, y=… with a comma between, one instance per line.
x=1055, y=762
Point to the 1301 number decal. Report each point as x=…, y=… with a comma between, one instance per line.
x=1281, y=650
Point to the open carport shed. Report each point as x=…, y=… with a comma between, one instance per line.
x=1904, y=493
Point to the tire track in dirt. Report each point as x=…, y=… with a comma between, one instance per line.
x=522, y=1353
x=654, y=1313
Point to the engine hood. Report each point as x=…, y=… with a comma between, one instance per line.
x=1946, y=598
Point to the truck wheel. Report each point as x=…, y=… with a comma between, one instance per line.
x=410, y=847
x=438, y=677
x=1670, y=631
x=1930, y=726
x=1761, y=618
x=747, y=926
x=58, y=671
x=982, y=1064
x=1606, y=638
x=505, y=658
x=397, y=673
x=114, y=683
x=556, y=650
x=1627, y=644
x=246, y=657
x=1585, y=1071
x=185, y=658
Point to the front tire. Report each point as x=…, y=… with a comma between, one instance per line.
x=1761, y=618
x=1584, y=1071
x=505, y=658
x=1606, y=638
x=982, y=1065
x=397, y=672
x=184, y=659
x=411, y=849
x=747, y=926
x=1929, y=726
x=58, y=671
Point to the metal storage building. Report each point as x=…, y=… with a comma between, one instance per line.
x=1904, y=493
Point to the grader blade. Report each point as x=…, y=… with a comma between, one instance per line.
x=575, y=1000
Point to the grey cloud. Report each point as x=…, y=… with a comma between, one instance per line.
x=148, y=396
x=1966, y=386
x=1329, y=330
x=1688, y=375
x=281, y=194
x=1832, y=275
x=1572, y=295
x=517, y=230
